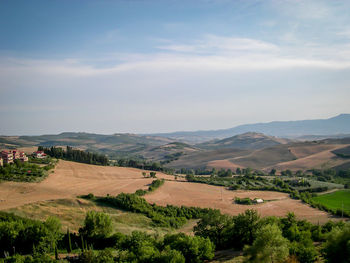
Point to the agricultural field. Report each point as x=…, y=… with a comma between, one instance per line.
x=71, y=179
x=337, y=200
x=203, y=195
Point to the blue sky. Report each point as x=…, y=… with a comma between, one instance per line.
x=157, y=66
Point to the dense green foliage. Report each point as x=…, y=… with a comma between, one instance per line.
x=27, y=236
x=144, y=248
x=269, y=246
x=217, y=227
x=268, y=239
x=37, y=240
x=154, y=185
x=24, y=171
x=75, y=155
x=96, y=225
x=331, y=175
x=337, y=247
x=243, y=201
x=169, y=216
x=143, y=164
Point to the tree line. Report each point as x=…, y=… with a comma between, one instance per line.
x=75, y=155
x=168, y=216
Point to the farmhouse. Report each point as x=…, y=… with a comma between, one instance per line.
x=39, y=154
x=23, y=157
x=10, y=156
x=7, y=156
x=259, y=200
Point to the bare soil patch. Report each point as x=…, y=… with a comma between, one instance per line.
x=194, y=194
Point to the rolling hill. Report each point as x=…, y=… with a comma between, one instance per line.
x=251, y=149
x=291, y=129
x=115, y=145
x=248, y=140
x=295, y=156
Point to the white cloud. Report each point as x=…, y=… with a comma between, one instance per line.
x=218, y=44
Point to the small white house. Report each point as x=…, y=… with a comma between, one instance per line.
x=259, y=200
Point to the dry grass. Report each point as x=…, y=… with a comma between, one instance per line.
x=71, y=213
x=71, y=179
x=193, y=194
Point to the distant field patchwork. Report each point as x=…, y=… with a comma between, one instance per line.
x=336, y=200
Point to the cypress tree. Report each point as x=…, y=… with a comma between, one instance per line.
x=69, y=247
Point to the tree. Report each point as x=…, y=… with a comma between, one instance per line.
x=54, y=234
x=337, y=247
x=216, y=227
x=245, y=228
x=69, y=242
x=153, y=174
x=144, y=174
x=195, y=249
x=269, y=246
x=171, y=256
x=273, y=171
x=190, y=177
x=96, y=225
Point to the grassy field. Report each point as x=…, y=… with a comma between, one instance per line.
x=335, y=200
x=71, y=213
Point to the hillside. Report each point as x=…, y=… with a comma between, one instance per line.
x=71, y=179
x=326, y=127
x=248, y=140
x=114, y=145
x=251, y=149
x=294, y=156
x=168, y=152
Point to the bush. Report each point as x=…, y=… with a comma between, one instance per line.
x=169, y=216
x=337, y=246
x=269, y=246
x=243, y=201
x=96, y=225
x=28, y=235
x=194, y=249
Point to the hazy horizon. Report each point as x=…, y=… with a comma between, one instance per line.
x=164, y=66
x=175, y=131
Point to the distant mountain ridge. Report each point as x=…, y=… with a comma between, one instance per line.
x=287, y=129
